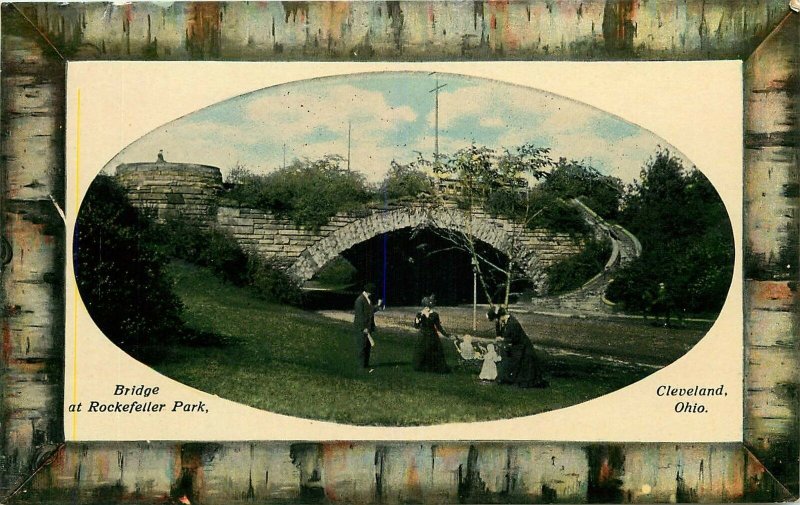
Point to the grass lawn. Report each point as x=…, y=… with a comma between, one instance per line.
x=295, y=362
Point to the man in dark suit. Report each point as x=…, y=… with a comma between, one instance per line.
x=364, y=324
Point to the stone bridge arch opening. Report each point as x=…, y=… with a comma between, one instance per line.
x=408, y=263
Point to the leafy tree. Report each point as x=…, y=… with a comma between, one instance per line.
x=120, y=274
x=686, y=236
x=477, y=173
x=545, y=209
x=573, y=179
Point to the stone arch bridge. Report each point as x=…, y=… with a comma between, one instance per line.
x=195, y=191
x=309, y=251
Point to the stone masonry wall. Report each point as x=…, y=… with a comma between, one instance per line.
x=269, y=236
x=162, y=188
x=309, y=251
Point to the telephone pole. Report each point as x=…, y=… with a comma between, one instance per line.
x=435, y=90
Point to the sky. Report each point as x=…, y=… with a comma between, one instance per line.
x=391, y=117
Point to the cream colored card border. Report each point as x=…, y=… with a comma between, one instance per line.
x=695, y=106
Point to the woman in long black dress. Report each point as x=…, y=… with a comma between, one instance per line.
x=428, y=353
x=520, y=365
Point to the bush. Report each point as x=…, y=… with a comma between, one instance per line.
x=270, y=280
x=308, y=193
x=120, y=273
x=633, y=287
x=572, y=179
x=573, y=272
x=219, y=252
x=405, y=182
x=538, y=209
x=206, y=247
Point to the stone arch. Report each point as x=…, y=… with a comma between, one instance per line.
x=495, y=232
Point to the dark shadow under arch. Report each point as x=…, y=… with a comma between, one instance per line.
x=410, y=263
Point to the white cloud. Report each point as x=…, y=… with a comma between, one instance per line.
x=330, y=108
x=313, y=121
x=491, y=105
x=310, y=124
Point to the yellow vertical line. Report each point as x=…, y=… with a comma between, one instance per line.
x=75, y=288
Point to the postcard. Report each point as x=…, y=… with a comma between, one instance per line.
x=404, y=251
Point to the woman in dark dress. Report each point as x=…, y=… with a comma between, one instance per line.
x=428, y=353
x=520, y=365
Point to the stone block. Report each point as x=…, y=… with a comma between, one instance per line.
x=242, y=221
x=227, y=211
x=300, y=241
x=291, y=250
x=244, y=230
x=272, y=250
x=158, y=182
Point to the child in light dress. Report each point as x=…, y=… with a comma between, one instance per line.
x=466, y=350
x=489, y=368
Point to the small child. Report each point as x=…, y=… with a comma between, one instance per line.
x=489, y=368
x=465, y=348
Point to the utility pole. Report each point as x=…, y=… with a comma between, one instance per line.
x=284, y=155
x=474, y=294
x=349, y=126
x=435, y=90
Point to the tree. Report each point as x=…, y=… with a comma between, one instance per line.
x=120, y=274
x=686, y=236
x=573, y=179
x=476, y=173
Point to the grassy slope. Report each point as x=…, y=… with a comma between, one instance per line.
x=289, y=361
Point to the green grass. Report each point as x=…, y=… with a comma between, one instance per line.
x=294, y=362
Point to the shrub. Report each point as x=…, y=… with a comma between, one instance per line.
x=206, y=247
x=538, y=209
x=308, y=193
x=633, y=287
x=405, y=182
x=271, y=281
x=120, y=273
x=219, y=252
x=573, y=272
